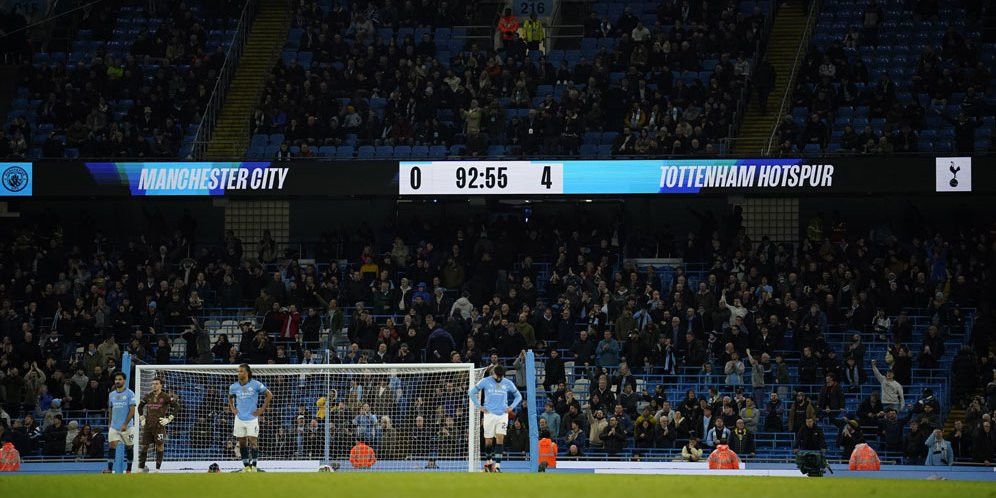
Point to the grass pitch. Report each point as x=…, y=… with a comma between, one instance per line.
x=402, y=485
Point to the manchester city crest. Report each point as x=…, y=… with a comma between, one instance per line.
x=14, y=178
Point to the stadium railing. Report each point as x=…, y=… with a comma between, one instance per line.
x=225, y=75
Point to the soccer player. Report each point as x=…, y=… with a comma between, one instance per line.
x=243, y=400
x=156, y=410
x=121, y=405
x=496, y=411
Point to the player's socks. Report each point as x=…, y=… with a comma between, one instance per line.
x=129, y=451
x=142, y=457
x=244, y=451
x=499, y=449
x=254, y=454
x=159, y=459
x=110, y=458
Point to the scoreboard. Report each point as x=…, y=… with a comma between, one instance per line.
x=333, y=178
x=682, y=176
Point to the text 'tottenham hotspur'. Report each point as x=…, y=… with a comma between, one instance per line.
x=742, y=176
x=212, y=178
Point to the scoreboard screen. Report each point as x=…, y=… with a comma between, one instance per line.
x=682, y=176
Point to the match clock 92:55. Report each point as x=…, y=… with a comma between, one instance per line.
x=480, y=178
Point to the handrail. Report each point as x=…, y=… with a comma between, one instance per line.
x=210, y=117
x=790, y=84
x=745, y=92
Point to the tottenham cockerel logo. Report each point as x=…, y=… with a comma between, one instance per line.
x=954, y=174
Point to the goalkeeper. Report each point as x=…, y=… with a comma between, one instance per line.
x=496, y=410
x=157, y=410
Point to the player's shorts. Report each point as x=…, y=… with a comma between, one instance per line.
x=153, y=435
x=246, y=428
x=495, y=425
x=127, y=437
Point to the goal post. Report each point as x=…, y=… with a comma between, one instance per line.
x=414, y=417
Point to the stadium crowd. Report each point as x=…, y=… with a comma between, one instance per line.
x=134, y=81
x=894, y=77
x=756, y=329
x=667, y=88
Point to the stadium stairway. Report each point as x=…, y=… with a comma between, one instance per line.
x=788, y=29
x=266, y=39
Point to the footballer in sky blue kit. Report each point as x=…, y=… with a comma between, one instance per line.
x=121, y=403
x=243, y=400
x=496, y=408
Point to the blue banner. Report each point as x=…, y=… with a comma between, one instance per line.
x=190, y=178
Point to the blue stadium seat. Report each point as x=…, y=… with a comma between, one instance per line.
x=344, y=152
x=366, y=152
x=420, y=151
x=382, y=151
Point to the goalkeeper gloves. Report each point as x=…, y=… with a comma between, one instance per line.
x=141, y=420
x=165, y=420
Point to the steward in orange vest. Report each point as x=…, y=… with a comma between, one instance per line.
x=864, y=458
x=362, y=456
x=723, y=458
x=508, y=25
x=547, y=452
x=10, y=458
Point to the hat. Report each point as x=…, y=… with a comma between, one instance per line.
x=152, y=304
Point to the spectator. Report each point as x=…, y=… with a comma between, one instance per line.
x=552, y=420
x=810, y=437
x=831, y=401
x=576, y=436
x=614, y=436
x=849, y=437
x=892, y=391
x=55, y=437
x=800, y=410
x=718, y=432
x=734, y=370
x=939, y=451
x=773, y=411
x=742, y=440
x=983, y=443
x=690, y=452
x=961, y=441
x=608, y=351
x=750, y=415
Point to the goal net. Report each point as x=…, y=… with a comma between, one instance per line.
x=413, y=417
